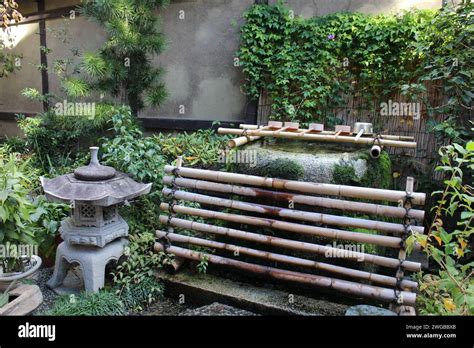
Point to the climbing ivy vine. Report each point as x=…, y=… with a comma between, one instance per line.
x=308, y=66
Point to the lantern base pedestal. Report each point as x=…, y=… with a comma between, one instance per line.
x=92, y=261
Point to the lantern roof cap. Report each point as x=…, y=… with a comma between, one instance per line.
x=94, y=184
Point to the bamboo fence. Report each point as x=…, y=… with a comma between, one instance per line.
x=293, y=222
x=348, y=287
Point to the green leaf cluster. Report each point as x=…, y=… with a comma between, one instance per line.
x=123, y=66
x=309, y=67
x=448, y=244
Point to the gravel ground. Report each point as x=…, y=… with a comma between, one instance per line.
x=217, y=309
x=48, y=295
x=164, y=307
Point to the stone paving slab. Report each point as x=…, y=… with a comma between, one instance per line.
x=204, y=289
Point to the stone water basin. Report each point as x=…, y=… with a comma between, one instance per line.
x=318, y=160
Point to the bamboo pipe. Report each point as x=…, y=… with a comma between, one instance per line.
x=305, y=187
x=330, y=233
x=319, y=137
x=291, y=227
x=249, y=126
x=327, y=219
x=175, y=265
x=361, y=132
x=352, y=288
x=241, y=141
x=358, y=207
x=295, y=261
x=375, y=151
x=383, y=136
x=278, y=131
x=289, y=244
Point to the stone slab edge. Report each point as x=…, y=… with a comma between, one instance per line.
x=202, y=289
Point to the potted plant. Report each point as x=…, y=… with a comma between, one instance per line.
x=17, y=226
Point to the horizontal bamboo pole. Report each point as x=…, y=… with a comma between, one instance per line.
x=295, y=261
x=319, y=137
x=330, y=203
x=290, y=244
x=304, y=131
x=327, y=219
x=330, y=233
x=297, y=186
x=241, y=141
x=351, y=288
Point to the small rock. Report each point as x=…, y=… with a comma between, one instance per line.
x=366, y=310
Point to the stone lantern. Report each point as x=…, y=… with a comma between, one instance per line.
x=95, y=233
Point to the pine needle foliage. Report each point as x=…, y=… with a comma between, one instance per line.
x=122, y=67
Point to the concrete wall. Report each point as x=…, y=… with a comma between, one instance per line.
x=63, y=36
x=201, y=79
x=311, y=8
x=26, y=44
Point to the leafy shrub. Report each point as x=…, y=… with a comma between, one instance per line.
x=57, y=143
x=47, y=220
x=140, y=263
x=200, y=149
x=133, y=153
x=450, y=63
x=451, y=291
x=8, y=12
x=102, y=303
x=308, y=65
x=133, y=298
x=25, y=219
x=16, y=208
x=133, y=37
x=136, y=297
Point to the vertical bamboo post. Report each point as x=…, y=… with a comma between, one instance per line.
x=177, y=262
x=402, y=254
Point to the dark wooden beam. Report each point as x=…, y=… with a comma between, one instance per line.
x=7, y=116
x=43, y=54
x=45, y=15
x=185, y=124
x=251, y=108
